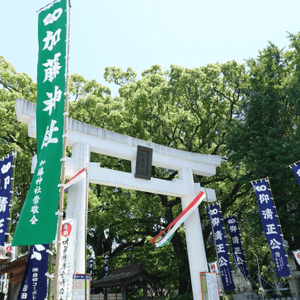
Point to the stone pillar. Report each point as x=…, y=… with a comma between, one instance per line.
x=144, y=286
x=124, y=292
x=294, y=283
x=77, y=202
x=294, y=279
x=194, y=237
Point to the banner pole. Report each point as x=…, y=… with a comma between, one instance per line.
x=13, y=190
x=269, y=183
x=281, y=234
x=215, y=244
x=85, y=214
x=295, y=163
x=61, y=194
x=50, y=272
x=259, y=180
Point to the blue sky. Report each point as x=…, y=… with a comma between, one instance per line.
x=141, y=33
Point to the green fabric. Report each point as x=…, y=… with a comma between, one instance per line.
x=38, y=222
x=168, y=241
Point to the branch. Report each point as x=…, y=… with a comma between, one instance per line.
x=174, y=202
x=10, y=88
x=215, y=179
x=121, y=247
x=162, y=124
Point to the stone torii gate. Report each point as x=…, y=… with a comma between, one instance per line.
x=84, y=138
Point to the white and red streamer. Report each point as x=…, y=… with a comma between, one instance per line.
x=174, y=225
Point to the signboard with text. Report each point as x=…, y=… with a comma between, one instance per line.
x=82, y=286
x=209, y=286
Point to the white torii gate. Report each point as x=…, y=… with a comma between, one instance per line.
x=84, y=138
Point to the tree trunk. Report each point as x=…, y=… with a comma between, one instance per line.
x=183, y=266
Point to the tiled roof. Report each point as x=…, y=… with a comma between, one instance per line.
x=125, y=276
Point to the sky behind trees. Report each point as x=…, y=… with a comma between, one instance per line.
x=139, y=34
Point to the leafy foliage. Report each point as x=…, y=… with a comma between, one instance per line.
x=267, y=136
x=13, y=134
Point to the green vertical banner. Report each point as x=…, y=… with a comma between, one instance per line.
x=38, y=220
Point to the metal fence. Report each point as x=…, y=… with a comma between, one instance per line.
x=288, y=298
x=118, y=296
x=110, y=296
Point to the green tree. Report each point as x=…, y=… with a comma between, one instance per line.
x=14, y=134
x=266, y=136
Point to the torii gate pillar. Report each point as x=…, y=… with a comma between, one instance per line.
x=77, y=196
x=193, y=233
